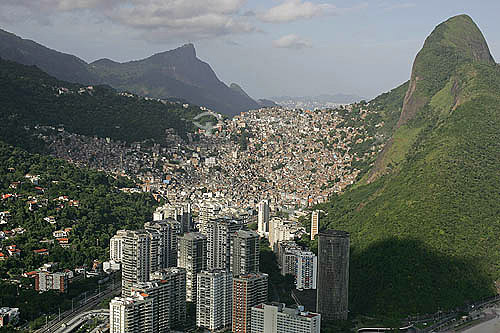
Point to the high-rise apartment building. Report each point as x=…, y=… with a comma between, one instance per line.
x=279, y=231
x=218, y=233
x=159, y=292
x=276, y=318
x=306, y=270
x=176, y=279
x=214, y=299
x=263, y=217
x=192, y=255
x=136, y=261
x=116, y=246
x=244, y=252
x=303, y=265
x=132, y=314
x=178, y=212
x=248, y=290
x=333, y=275
x=209, y=210
x=314, y=224
x=167, y=231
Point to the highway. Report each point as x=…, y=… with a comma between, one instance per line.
x=68, y=316
x=77, y=321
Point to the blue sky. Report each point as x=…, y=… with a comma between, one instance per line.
x=271, y=47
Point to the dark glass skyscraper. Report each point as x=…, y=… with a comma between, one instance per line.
x=333, y=275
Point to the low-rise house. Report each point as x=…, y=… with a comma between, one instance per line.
x=42, y=252
x=13, y=251
x=34, y=179
x=63, y=242
x=50, y=219
x=60, y=234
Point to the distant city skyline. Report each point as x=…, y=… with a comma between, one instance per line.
x=270, y=48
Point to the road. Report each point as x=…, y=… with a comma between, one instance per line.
x=80, y=319
x=69, y=315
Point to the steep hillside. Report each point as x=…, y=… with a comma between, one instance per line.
x=177, y=73
x=453, y=43
x=425, y=231
x=29, y=97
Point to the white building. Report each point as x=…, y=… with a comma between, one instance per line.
x=179, y=212
x=214, y=299
x=276, y=318
x=9, y=316
x=306, y=270
x=209, y=209
x=314, y=224
x=116, y=246
x=131, y=315
x=280, y=231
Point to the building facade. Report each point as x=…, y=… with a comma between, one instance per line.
x=167, y=231
x=276, y=318
x=9, y=316
x=178, y=212
x=159, y=292
x=306, y=270
x=245, y=252
x=333, y=275
x=218, y=233
x=45, y=281
x=192, y=256
x=176, y=279
x=136, y=260
x=263, y=217
x=248, y=290
x=214, y=299
x=116, y=246
x=314, y=224
x=131, y=314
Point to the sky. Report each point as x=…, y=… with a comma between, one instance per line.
x=269, y=47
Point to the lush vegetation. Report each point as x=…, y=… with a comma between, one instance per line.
x=101, y=210
x=425, y=236
x=30, y=97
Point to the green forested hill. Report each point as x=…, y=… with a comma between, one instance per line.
x=101, y=209
x=426, y=229
x=30, y=97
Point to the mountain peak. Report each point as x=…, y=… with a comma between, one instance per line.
x=186, y=50
x=453, y=43
x=461, y=34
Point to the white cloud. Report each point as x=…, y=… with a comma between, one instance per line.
x=153, y=19
x=291, y=10
x=292, y=41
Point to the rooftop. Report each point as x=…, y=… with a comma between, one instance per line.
x=334, y=233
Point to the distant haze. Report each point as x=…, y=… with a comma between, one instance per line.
x=323, y=98
x=269, y=48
